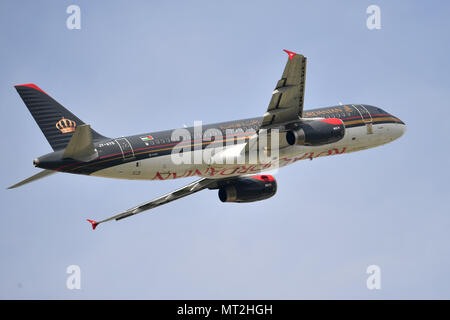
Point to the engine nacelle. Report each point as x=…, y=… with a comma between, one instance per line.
x=317, y=132
x=248, y=189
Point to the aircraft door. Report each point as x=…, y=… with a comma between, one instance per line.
x=125, y=147
x=365, y=116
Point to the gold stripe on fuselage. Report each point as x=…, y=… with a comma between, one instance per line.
x=163, y=149
x=374, y=120
x=352, y=122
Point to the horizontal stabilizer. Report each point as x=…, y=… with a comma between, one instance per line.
x=81, y=146
x=37, y=176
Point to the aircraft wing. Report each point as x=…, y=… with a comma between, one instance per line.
x=189, y=189
x=286, y=104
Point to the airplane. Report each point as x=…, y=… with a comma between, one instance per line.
x=294, y=135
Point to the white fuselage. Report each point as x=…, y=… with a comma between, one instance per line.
x=164, y=168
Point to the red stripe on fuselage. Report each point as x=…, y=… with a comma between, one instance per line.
x=183, y=143
x=191, y=141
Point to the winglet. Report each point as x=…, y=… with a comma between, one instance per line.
x=94, y=223
x=290, y=53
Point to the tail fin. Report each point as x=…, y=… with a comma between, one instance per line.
x=56, y=122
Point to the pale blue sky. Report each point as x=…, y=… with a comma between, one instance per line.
x=139, y=66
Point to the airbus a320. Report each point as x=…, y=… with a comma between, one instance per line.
x=300, y=134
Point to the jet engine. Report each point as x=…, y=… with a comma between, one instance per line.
x=316, y=132
x=248, y=189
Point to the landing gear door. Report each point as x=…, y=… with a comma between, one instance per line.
x=365, y=116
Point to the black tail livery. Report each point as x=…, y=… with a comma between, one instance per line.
x=51, y=117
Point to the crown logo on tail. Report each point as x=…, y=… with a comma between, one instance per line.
x=66, y=125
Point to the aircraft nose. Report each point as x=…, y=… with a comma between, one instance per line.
x=400, y=121
x=400, y=128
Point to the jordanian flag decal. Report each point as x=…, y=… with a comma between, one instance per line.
x=147, y=138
